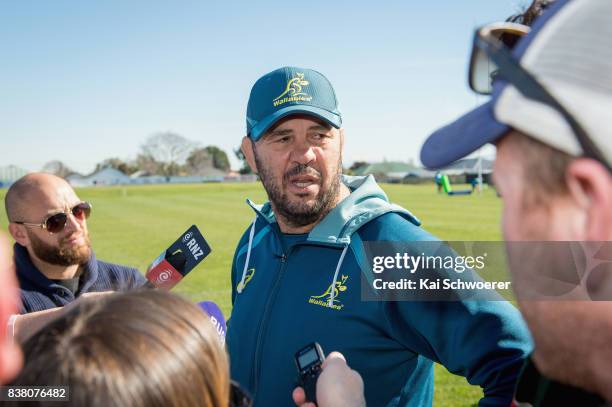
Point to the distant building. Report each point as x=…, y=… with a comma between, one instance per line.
x=463, y=170
x=112, y=176
x=394, y=171
x=10, y=174
x=468, y=168
x=209, y=174
x=106, y=176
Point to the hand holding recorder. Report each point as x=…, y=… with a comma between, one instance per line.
x=337, y=385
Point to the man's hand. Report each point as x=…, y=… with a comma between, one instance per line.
x=337, y=385
x=27, y=325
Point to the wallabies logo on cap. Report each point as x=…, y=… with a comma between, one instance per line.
x=293, y=92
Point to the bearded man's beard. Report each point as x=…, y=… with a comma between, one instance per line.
x=300, y=213
x=62, y=254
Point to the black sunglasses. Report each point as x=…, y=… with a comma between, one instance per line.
x=512, y=71
x=55, y=223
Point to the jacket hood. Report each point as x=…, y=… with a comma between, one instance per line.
x=367, y=201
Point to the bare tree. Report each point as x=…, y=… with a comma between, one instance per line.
x=169, y=150
x=57, y=168
x=146, y=164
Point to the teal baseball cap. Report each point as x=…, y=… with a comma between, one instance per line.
x=287, y=91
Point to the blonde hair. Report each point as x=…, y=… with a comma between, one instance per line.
x=143, y=349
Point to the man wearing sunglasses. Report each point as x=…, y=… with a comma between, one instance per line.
x=550, y=117
x=54, y=260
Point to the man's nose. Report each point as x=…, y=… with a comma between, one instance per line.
x=303, y=153
x=72, y=223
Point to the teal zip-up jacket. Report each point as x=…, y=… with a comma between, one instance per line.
x=282, y=300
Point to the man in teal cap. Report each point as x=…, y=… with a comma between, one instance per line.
x=297, y=269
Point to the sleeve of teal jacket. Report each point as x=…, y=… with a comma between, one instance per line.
x=484, y=341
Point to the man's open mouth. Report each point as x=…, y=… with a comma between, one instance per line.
x=303, y=181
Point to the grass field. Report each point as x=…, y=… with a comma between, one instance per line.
x=132, y=225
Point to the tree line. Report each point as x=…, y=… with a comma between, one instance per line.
x=164, y=153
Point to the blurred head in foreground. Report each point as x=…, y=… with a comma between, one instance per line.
x=549, y=117
x=10, y=357
x=146, y=348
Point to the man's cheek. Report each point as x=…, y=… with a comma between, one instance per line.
x=506, y=224
x=535, y=316
x=511, y=219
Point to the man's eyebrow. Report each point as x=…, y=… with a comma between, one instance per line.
x=286, y=132
x=279, y=132
x=319, y=127
x=54, y=211
x=59, y=209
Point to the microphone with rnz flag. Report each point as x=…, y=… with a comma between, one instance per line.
x=178, y=260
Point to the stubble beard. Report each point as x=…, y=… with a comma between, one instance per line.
x=301, y=213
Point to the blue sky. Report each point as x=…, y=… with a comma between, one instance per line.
x=82, y=81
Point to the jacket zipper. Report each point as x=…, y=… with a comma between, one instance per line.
x=264, y=324
x=264, y=321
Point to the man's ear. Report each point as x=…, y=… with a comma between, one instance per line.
x=341, y=131
x=19, y=234
x=590, y=186
x=247, y=149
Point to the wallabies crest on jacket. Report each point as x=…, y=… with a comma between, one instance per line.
x=323, y=299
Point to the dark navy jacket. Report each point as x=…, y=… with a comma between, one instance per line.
x=38, y=293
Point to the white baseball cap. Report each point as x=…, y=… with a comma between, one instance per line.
x=568, y=52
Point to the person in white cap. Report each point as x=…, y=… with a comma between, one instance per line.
x=550, y=117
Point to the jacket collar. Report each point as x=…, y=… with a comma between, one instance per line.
x=27, y=271
x=367, y=201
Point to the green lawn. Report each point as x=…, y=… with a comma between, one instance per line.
x=132, y=225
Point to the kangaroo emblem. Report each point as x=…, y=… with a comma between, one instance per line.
x=294, y=86
x=337, y=289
